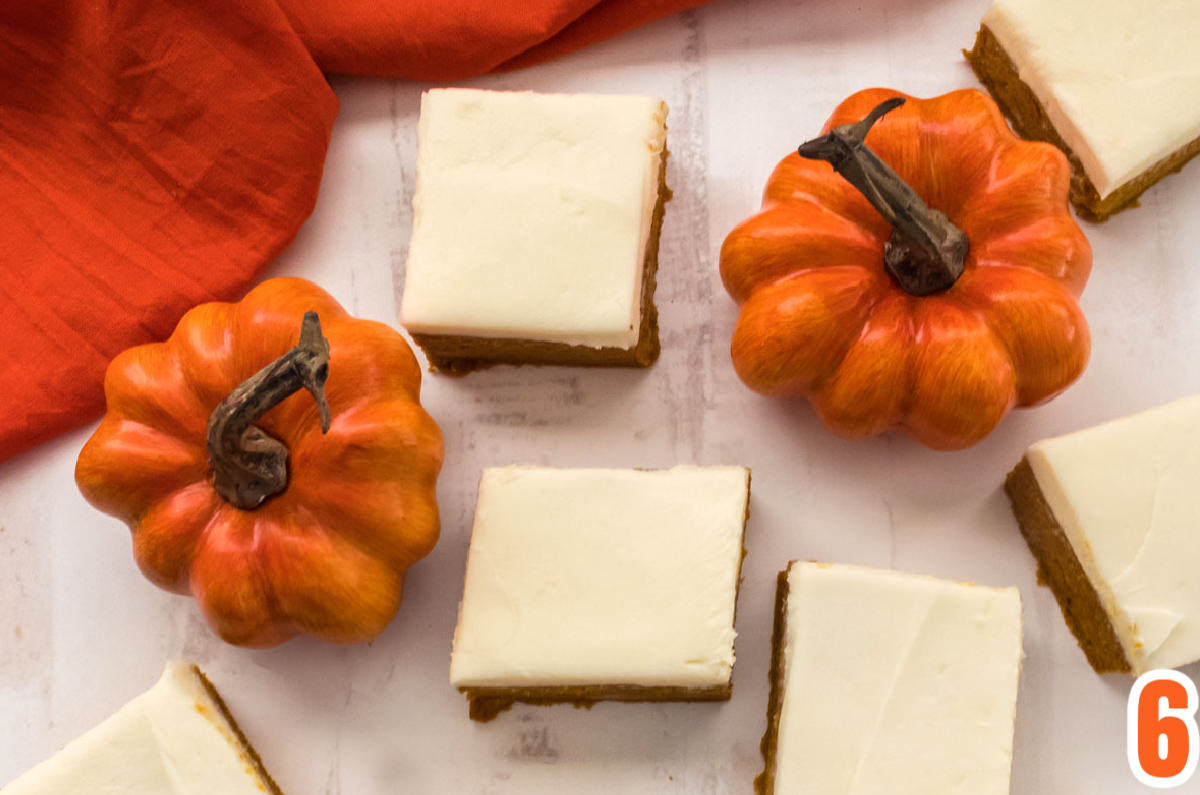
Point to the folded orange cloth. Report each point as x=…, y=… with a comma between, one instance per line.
x=156, y=155
x=152, y=156
x=454, y=39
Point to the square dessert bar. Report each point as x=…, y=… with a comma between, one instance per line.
x=1114, y=83
x=1112, y=515
x=178, y=737
x=588, y=585
x=883, y=682
x=536, y=221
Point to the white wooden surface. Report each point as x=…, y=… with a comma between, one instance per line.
x=81, y=631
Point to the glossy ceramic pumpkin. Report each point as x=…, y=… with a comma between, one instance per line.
x=821, y=317
x=326, y=556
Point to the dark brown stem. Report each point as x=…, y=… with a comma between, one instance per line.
x=926, y=251
x=248, y=465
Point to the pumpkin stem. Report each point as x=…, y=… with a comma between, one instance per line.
x=926, y=251
x=249, y=465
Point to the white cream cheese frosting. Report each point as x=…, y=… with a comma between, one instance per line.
x=1127, y=495
x=602, y=576
x=1118, y=79
x=531, y=215
x=896, y=683
x=171, y=740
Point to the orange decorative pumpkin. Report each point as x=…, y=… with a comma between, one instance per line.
x=933, y=294
x=281, y=513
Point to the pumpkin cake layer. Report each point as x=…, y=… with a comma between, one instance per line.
x=1110, y=515
x=536, y=224
x=588, y=585
x=1060, y=570
x=178, y=737
x=1114, y=84
x=890, y=682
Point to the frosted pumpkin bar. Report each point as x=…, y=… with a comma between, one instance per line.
x=178, y=737
x=588, y=585
x=1114, y=83
x=1111, y=514
x=883, y=682
x=536, y=220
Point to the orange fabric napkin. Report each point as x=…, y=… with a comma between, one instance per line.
x=152, y=156
x=156, y=155
x=455, y=39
